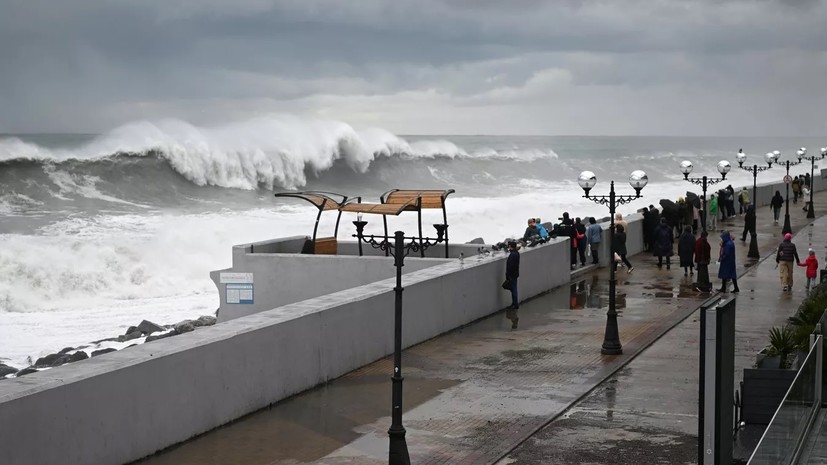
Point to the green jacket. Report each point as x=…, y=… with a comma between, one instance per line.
x=713, y=206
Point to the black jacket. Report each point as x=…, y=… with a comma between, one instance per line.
x=512, y=265
x=786, y=252
x=619, y=243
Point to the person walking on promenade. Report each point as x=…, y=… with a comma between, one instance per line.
x=811, y=262
x=730, y=201
x=663, y=243
x=726, y=258
x=713, y=213
x=594, y=234
x=512, y=272
x=619, y=220
x=743, y=200
x=796, y=185
x=749, y=222
x=805, y=194
x=580, y=236
x=807, y=180
x=776, y=203
x=702, y=257
x=686, y=251
x=786, y=255
x=619, y=245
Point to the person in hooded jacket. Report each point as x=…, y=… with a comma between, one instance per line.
x=619, y=246
x=702, y=257
x=713, y=213
x=567, y=230
x=796, y=185
x=663, y=243
x=784, y=257
x=726, y=258
x=775, y=203
x=811, y=263
x=580, y=236
x=749, y=222
x=686, y=251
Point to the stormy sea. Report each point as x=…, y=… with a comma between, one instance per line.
x=101, y=231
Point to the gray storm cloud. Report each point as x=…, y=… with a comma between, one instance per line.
x=426, y=66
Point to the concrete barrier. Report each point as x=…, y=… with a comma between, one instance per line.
x=125, y=405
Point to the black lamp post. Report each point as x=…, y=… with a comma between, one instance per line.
x=810, y=212
x=787, y=228
x=587, y=180
x=398, y=447
x=741, y=157
x=687, y=167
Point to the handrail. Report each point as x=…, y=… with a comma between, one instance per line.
x=815, y=348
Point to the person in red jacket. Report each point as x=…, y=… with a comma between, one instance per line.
x=812, y=269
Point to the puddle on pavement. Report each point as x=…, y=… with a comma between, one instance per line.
x=305, y=427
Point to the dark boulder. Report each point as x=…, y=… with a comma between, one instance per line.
x=477, y=240
x=66, y=349
x=78, y=356
x=6, y=370
x=155, y=337
x=130, y=329
x=207, y=320
x=184, y=327
x=95, y=353
x=26, y=371
x=148, y=327
x=47, y=361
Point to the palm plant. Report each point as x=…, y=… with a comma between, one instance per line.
x=782, y=343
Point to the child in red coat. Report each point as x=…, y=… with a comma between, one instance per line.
x=812, y=269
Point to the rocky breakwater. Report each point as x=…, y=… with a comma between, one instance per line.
x=145, y=331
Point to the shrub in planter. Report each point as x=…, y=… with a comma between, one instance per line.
x=782, y=344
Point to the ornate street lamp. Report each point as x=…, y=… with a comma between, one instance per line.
x=803, y=156
x=741, y=157
x=587, y=180
x=787, y=164
x=687, y=167
x=398, y=447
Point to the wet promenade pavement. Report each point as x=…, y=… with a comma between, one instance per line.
x=473, y=395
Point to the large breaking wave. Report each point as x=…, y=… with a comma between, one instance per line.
x=267, y=152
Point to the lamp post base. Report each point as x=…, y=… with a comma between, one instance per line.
x=810, y=212
x=398, y=450
x=753, y=247
x=787, y=228
x=610, y=349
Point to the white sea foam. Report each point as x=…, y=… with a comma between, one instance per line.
x=265, y=152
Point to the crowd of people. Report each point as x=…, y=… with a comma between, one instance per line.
x=677, y=221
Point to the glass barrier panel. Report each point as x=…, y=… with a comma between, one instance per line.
x=788, y=426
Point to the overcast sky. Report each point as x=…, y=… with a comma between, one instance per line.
x=646, y=67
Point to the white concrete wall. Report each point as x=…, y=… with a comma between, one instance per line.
x=125, y=405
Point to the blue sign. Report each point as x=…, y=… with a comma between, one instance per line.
x=239, y=293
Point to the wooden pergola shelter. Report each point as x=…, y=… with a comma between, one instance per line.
x=396, y=201
x=324, y=201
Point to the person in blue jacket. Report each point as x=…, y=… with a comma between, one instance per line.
x=726, y=270
x=541, y=229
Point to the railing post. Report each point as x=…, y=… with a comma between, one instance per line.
x=819, y=362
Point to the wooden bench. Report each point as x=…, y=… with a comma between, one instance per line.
x=325, y=246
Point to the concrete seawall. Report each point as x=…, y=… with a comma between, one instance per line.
x=125, y=405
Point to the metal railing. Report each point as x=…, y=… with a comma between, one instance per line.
x=785, y=435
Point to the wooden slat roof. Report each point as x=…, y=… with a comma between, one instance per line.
x=378, y=208
x=321, y=200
